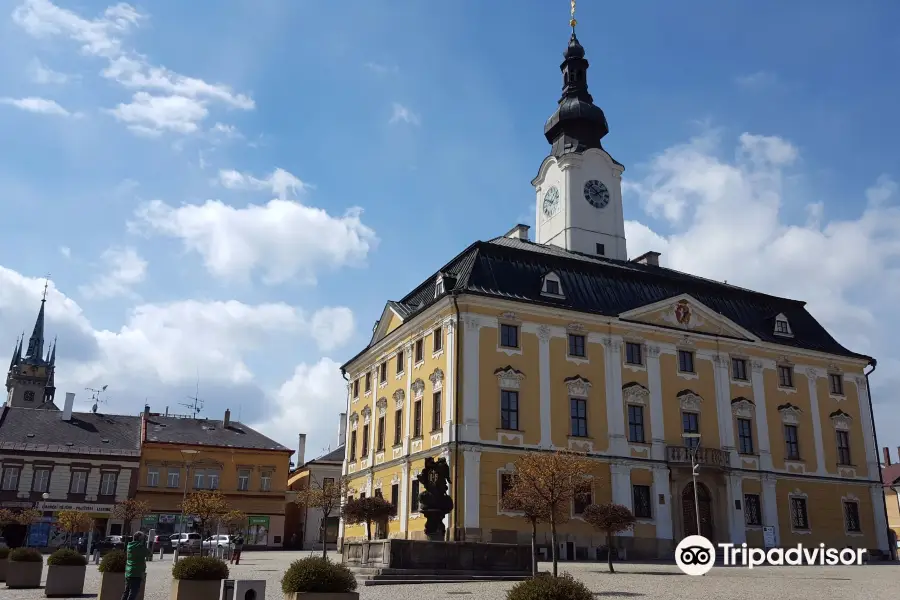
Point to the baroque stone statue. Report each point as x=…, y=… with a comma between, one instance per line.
x=434, y=502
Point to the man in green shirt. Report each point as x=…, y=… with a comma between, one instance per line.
x=135, y=566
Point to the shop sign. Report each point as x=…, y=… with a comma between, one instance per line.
x=17, y=504
x=88, y=508
x=149, y=521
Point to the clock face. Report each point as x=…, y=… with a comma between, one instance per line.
x=596, y=193
x=551, y=202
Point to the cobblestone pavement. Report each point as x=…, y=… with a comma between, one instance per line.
x=651, y=581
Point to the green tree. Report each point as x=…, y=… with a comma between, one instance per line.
x=368, y=511
x=207, y=507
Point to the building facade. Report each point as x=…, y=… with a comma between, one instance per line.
x=30, y=380
x=303, y=524
x=562, y=342
x=56, y=460
x=890, y=476
x=180, y=455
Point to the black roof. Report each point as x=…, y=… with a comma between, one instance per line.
x=513, y=269
x=39, y=430
x=207, y=432
x=336, y=455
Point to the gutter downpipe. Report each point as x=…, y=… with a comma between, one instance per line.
x=874, y=363
x=456, y=395
x=340, y=542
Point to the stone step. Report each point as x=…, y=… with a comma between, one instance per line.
x=420, y=579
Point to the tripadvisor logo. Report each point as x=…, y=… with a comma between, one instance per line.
x=696, y=555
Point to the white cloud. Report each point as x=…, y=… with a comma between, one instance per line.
x=279, y=182
x=332, y=326
x=283, y=239
x=756, y=81
x=727, y=221
x=165, y=101
x=36, y=105
x=382, y=69
x=403, y=114
x=125, y=269
x=45, y=75
x=65, y=251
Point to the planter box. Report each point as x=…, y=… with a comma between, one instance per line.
x=112, y=587
x=23, y=575
x=322, y=596
x=3, y=564
x=188, y=589
x=64, y=581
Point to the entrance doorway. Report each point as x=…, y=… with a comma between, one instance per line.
x=689, y=510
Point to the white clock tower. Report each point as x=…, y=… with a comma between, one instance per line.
x=579, y=185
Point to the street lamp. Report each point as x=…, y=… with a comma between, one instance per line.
x=694, y=468
x=186, y=454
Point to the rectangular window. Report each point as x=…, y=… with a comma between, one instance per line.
x=414, y=503
x=601, y=250
x=152, y=477
x=395, y=495
x=640, y=496
x=41, y=480
x=368, y=382
x=417, y=419
x=579, y=416
x=781, y=326
x=362, y=495
x=243, y=480
x=436, y=412
x=78, y=482
x=327, y=482
x=11, y=479
x=213, y=477
x=199, y=479
x=356, y=388
x=552, y=286
x=379, y=447
x=173, y=478
x=400, y=365
x=843, y=447
x=576, y=345
x=353, y=445
x=420, y=350
x=506, y=481
x=636, y=423
x=509, y=336
x=265, y=481
x=851, y=516
x=690, y=423
x=398, y=426
x=836, y=382
x=108, y=484
x=685, y=361
x=382, y=372
x=785, y=376
x=365, y=442
x=752, y=512
x=583, y=498
x=438, y=339
x=634, y=354
x=799, y=518
x=791, y=443
x=739, y=369
x=509, y=410
x=745, y=436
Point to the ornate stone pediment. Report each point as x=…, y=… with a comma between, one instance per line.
x=418, y=388
x=688, y=314
x=381, y=404
x=509, y=378
x=437, y=380
x=578, y=386
x=841, y=420
x=689, y=400
x=635, y=393
x=743, y=408
x=366, y=414
x=354, y=420
x=399, y=397
x=790, y=414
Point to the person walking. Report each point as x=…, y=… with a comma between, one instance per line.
x=238, y=548
x=136, y=555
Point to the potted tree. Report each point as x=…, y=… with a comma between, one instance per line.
x=24, y=569
x=317, y=578
x=65, y=574
x=112, y=576
x=198, y=578
x=610, y=519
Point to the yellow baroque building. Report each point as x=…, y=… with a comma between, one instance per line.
x=520, y=345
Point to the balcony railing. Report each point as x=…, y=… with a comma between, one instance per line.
x=711, y=457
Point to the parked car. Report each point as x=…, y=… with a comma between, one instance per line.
x=110, y=542
x=217, y=541
x=162, y=541
x=186, y=542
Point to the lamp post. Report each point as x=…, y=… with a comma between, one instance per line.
x=186, y=454
x=694, y=468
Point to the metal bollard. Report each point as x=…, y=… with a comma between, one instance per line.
x=162, y=552
x=175, y=555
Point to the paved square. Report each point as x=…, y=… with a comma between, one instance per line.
x=650, y=581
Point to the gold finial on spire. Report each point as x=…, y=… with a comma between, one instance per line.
x=573, y=22
x=47, y=283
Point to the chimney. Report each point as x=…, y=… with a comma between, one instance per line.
x=342, y=430
x=147, y=410
x=651, y=259
x=226, y=422
x=67, y=407
x=519, y=232
x=301, y=450
x=898, y=453
x=887, y=456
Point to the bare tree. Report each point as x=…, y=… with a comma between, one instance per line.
x=130, y=510
x=516, y=499
x=551, y=480
x=611, y=519
x=207, y=506
x=327, y=497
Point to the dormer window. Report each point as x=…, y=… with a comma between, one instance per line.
x=439, y=286
x=782, y=327
x=552, y=286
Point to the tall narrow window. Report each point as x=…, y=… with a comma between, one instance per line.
x=420, y=350
x=77, y=482
x=739, y=369
x=690, y=423
x=199, y=479
x=836, y=383
x=851, y=516
x=438, y=339
x=398, y=426
x=395, y=495
x=417, y=419
x=173, y=478
x=643, y=508
x=108, y=484
x=11, y=479
x=785, y=376
x=506, y=481
x=436, y=414
x=414, y=501
x=41, y=480
x=579, y=417
x=583, y=497
x=353, y=445
x=752, y=512
x=368, y=382
x=265, y=481
x=243, y=480
x=745, y=436
x=843, y=447
x=400, y=366
x=791, y=443
x=365, y=441
x=799, y=517
x=380, y=435
x=633, y=354
x=382, y=373
x=685, y=361
x=356, y=388
x=509, y=336
x=509, y=410
x=636, y=423
x=576, y=345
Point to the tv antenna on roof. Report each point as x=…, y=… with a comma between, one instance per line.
x=197, y=405
x=96, y=396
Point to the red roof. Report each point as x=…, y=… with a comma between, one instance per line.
x=891, y=475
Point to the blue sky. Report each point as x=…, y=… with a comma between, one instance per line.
x=144, y=143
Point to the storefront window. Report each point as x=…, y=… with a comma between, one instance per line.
x=258, y=531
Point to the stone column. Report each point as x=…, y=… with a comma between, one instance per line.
x=762, y=420
x=662, y=512
x=770, y=505
x=737, y=529
x=621, y=488
x=723, y=407
x=449, y=434
x=615, y=409
x=471, y=340
x=404, y=500
x=408, y=406
x=657, y=422
x=472, y=488
x=544, y=334
x=812, y=376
